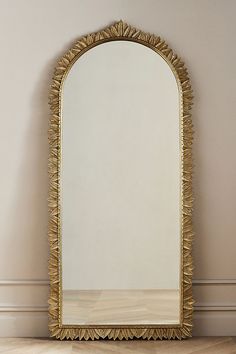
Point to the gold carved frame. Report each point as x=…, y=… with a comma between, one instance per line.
x=120, y=31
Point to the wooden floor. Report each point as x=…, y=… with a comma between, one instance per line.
x=120, y=307
x=203, y=345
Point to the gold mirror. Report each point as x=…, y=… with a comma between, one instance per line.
x=120, y=202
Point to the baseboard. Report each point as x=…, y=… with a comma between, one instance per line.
x=23, y=308
x=35, y=324
x=24, y=324
x=214, y=323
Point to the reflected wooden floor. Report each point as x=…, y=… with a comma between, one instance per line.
x=204, y=345
x=120, y=307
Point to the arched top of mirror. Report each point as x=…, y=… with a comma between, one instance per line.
x=123, y=32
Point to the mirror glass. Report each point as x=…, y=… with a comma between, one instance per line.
x=120, y=188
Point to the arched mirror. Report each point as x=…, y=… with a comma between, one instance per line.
x=120, y=189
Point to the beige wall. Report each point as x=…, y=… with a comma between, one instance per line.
x=33, y=35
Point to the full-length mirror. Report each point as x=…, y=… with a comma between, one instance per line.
x=123, y=241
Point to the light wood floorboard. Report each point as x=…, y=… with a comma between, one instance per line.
x=120, y=307
x=197, y=345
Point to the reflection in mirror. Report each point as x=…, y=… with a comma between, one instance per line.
x=120, y=188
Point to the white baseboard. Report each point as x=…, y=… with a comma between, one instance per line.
x=214, y=323
x=23, y=308
x=35, y=324
x=24, y=324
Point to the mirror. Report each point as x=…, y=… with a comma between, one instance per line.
x=120, y=188
x=121, y=227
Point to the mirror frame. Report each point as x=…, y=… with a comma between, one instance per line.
x=120, y=31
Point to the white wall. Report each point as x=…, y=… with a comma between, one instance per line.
x=33, y=35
